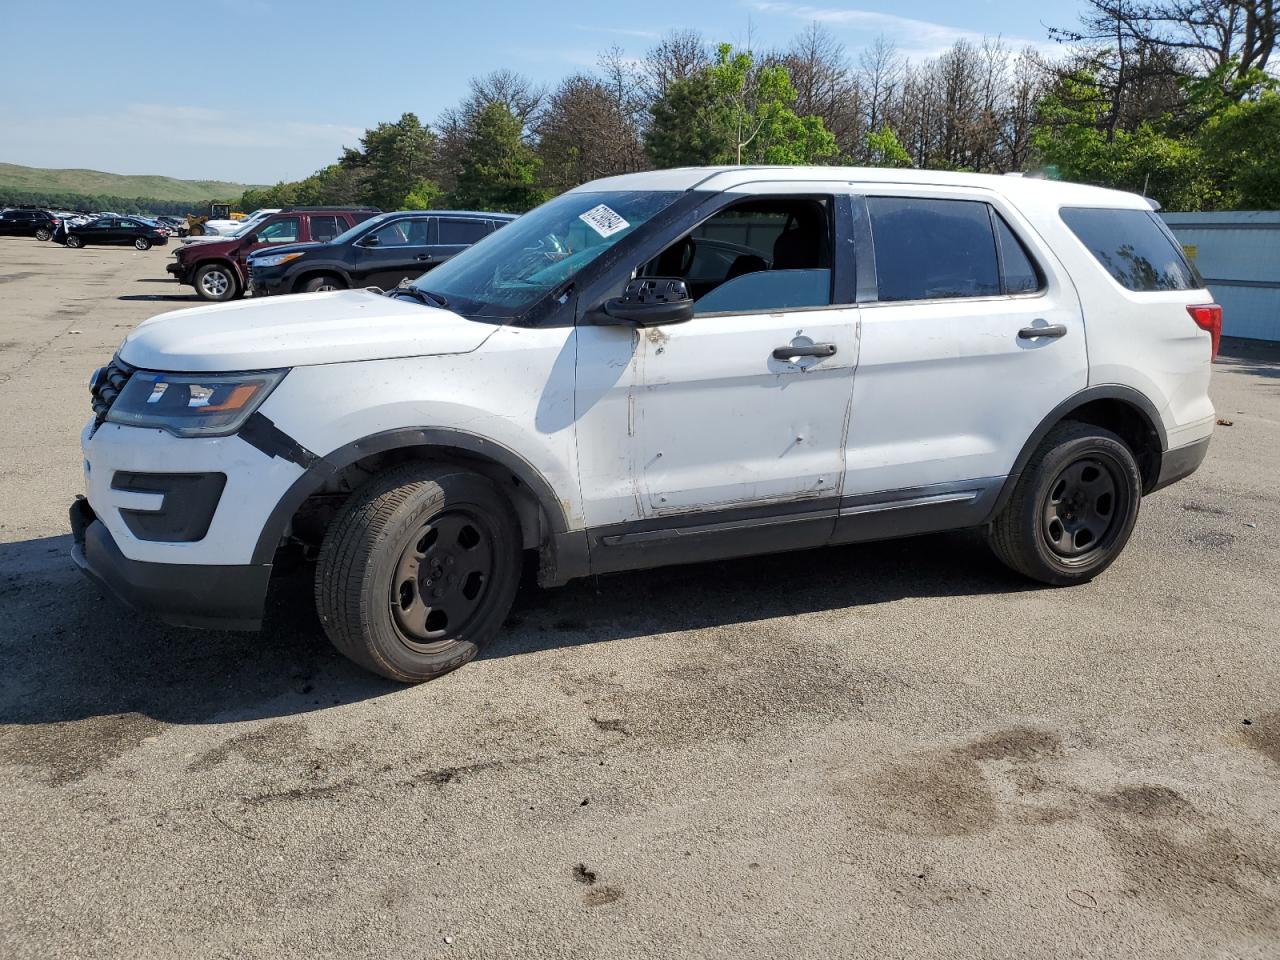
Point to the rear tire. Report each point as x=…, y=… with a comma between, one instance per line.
x=1073, y=508
x=74, y=242
x=216, y=283
x=142, y=243
x=43, y=233
x=418, y=571
x=322, y=283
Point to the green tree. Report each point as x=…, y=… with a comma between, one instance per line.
x=498, y=170
x=685, y=130
x=1241, y=146
x=884, y=149
x=394, y=158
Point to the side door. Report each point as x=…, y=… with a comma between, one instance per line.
x=455, y=234
x=393, y=252
x=126, y=231
x=102, y=230
x=953, y=377
x=323, y=227
x=735, y=420
x=279, y=230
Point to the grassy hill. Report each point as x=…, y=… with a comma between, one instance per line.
x=17, y=179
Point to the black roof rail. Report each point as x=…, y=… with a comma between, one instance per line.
x=329, y=206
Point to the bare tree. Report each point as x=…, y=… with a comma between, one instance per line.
x=585, y=132
x=825, y=85
x=677, y=56
x=880, y=73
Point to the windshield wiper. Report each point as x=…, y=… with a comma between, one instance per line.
x=423, y=296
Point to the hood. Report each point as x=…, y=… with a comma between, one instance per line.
x=211, y=246
x=272, y=249
x=298, y=330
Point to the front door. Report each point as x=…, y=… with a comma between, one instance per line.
x=402, y=250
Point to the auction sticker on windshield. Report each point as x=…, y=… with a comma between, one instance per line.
x=603, y=220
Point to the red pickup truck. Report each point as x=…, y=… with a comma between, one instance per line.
x=217, y=268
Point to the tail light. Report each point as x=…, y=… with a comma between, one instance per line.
x=1208, y=316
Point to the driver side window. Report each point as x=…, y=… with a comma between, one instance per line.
x=282, y=231
x=758, y=255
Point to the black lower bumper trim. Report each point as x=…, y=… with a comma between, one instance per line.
x=182, y=594
x=1181, y=462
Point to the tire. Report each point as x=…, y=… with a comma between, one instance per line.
x=43, y=233
x=74, y=241
x=142, y=243
x=216, y=282
x=1073, y=509
x=326, y=281
x=418, y=570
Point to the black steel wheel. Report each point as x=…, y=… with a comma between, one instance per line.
x=418, y=570
x=1073, y=508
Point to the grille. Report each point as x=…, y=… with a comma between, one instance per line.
x=107, y=385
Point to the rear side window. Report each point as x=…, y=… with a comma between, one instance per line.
x=1016, y=266
x=1133, y=247
x=462, y=231
x=933, y=249
x=326, y=228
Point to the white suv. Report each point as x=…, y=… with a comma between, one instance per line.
x=658, y=368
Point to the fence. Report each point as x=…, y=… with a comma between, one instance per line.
x=1238, y=254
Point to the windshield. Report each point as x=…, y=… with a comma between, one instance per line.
x=508, y=271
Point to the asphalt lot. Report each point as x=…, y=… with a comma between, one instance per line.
x=889, y=750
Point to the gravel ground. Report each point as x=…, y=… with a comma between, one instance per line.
x=887, y=750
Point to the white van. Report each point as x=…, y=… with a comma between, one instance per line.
x=659, y=368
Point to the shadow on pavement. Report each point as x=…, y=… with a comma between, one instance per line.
x=180, y=297
x=1259, y=358
x=68, y=653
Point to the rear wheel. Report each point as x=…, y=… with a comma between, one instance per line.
x=326, y=281
x=142, y=243
x=216, y=282
x=43, y=233
x=1073, y=509
x=418, y=571
x=74, y=241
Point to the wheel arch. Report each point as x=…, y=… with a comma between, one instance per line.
x=307, y=272
x=543, y=519
x=221, y=261
x=1115, y=407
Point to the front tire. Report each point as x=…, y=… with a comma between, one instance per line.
x=418, y=570
x=74, y=242
x=216, y=282
x=323, y=283
x=1073, y=509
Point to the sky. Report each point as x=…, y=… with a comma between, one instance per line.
x=257, y=91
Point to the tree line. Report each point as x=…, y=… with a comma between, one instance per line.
x=95, y=203
x=1172, y=98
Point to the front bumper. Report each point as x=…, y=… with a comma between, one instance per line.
x=269, y=281
x=178, y=270
x=185, y=595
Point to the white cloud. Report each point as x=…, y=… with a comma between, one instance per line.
x=915, y=39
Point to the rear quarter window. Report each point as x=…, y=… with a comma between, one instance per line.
x=1134, y=247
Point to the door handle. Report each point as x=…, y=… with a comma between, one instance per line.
x=423, y=257
x=805, y=350
x=1053, y=330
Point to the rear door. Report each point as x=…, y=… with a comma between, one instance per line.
x=971, y=334
x=455, y=234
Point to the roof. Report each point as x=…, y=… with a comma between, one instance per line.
x=488, y=214
x=727, y=179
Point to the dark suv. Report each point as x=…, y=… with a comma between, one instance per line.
x=28, y=223
x=379, y=252
x=217, y=268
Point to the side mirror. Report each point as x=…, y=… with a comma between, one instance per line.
x=370, y=241
x=254, y=238
x=648, y=302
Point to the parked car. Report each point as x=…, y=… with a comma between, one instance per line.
x=113, y=230
x=28, y=223
x=223, y=228
x=380, y=252
x=218, y=268
x=895, y=352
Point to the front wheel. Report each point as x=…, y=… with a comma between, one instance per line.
x=323, y=283
x=74, y=241
x=216, y=282
x=418, y=570
x=1073, y=509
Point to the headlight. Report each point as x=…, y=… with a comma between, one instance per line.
x=274, y=260
x=192, y=404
